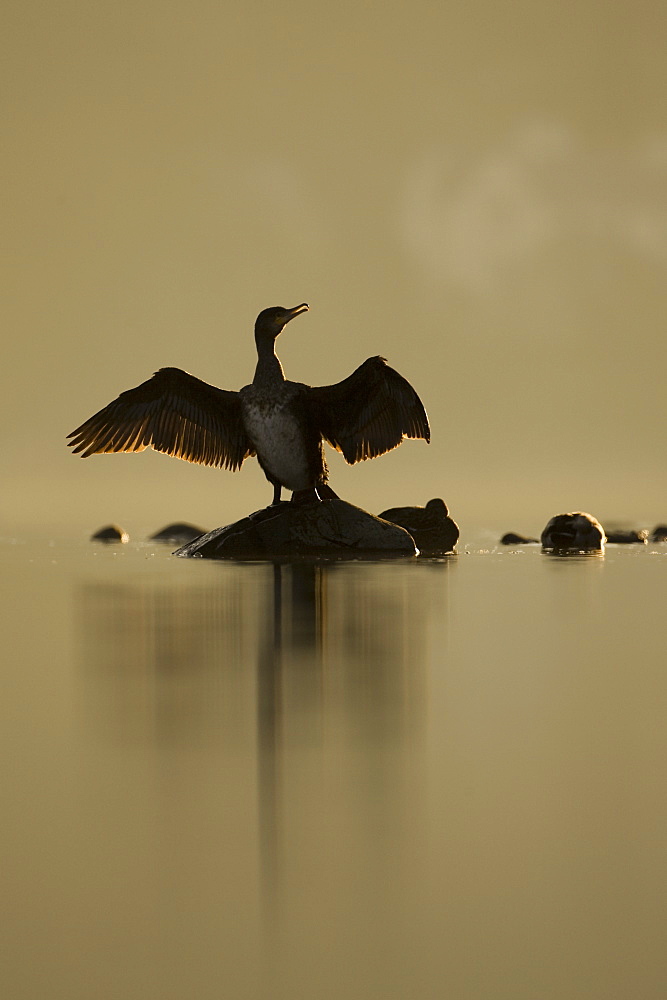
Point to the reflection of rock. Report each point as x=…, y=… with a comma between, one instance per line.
x=111, y=533
x=513, y=539
x=659, y=533
x=623, y=536
x=577, y=531
x=177, y=533
x=329, y=528
x=431, y=526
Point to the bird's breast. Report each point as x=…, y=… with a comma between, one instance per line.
x=276, y=429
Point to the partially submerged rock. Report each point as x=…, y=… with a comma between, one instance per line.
x=626, y=536
x=331, y=528
x=111, y=533
x=177, y=533
x=659, y=533
x=511, y=538
x=431, y=526
x=576, y=531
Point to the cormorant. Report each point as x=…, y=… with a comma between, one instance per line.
x=283, y=423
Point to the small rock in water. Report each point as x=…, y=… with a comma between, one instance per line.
x=431, y=526
x=576, y=531
x=659, y=533
x=623, y=536
x=332, y=528
x=177, y=533
x=112, y=533
x=513, y=539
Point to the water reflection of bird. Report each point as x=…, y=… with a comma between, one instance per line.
x=283, y=423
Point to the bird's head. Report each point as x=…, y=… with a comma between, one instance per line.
x=272, y=321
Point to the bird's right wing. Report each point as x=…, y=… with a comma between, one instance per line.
x=174, y=413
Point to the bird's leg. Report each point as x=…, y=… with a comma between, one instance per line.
x=314, y=494
x=270, y=511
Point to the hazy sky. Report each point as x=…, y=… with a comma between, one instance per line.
x=475, y=191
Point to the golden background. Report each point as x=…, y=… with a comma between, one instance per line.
x=476, y=192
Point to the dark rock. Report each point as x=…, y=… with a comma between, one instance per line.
x=512, y=539
x=621, y=536
x=431, y=526
x=177, y=533
x=577, y=531
x=331, y=528
x=112, y=533
x=659, y=533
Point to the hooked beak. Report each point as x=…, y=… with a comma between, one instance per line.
x=296, y=311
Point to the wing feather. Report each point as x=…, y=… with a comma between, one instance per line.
x=369, y=412
x=173, y=413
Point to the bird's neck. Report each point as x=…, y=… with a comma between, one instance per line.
x=268, y=370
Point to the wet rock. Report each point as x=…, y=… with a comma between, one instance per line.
x=111, y=533
x=513, y=539
x=431, y=526
x=659, y=533
x=332, y=528
x=622, y=536
x=177, y=533
x=576, y=531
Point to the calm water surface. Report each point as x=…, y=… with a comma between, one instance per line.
x=402, y=780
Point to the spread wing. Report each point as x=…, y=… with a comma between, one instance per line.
x=368, y=413
x=174, y=413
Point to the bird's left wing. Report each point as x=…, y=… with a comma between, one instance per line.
x=369, y=412
x=174, y=413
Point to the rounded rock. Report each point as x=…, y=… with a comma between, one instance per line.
x=110, y=533
x=575, y=531
x=432, y=528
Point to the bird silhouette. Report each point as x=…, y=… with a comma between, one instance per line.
x=280, y=422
